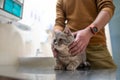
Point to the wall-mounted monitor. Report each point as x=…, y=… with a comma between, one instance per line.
x=11, y=9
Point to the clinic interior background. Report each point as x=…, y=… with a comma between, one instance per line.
x=39, y=16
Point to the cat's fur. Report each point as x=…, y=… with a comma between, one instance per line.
x=64, y=59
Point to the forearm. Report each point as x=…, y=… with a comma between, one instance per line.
x=102, y=19
x=106, y=10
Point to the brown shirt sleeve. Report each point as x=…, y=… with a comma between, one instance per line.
x=106, y=5
x=60, y=16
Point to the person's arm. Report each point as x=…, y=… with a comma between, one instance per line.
x=60, y=16
x=83, y=36
x=106, y=11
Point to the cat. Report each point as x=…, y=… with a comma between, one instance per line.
x=64, y=59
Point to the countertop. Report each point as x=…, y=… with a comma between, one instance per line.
x=37, y=73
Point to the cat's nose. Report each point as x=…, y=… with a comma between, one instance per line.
x=55, y=43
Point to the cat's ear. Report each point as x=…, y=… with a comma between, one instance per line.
x=55, y=32
x=67, y=31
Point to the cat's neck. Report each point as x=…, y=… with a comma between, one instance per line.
x=64, y=53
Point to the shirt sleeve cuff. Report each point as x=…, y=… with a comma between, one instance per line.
x=57, y=27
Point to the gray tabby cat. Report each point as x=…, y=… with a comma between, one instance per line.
x=64, y=59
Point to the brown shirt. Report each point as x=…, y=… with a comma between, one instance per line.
x=78, y=14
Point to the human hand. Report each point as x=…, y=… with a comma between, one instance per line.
x=82, y=38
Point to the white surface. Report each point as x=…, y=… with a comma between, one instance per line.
x=11, y=44
x=15, y=72
x=108, y=38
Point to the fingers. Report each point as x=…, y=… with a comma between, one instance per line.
x=74, y=33
x=75, y=42
x=77, y=47
x=77, y=50
x=73, y=45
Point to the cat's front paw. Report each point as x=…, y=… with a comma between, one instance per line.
x=59, y=67
x=71, y=68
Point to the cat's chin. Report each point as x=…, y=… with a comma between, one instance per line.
x=61, y=48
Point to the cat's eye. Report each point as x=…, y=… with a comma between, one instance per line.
x=55, y=40
x=60, y=40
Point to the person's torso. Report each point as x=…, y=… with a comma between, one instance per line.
x=80, y=14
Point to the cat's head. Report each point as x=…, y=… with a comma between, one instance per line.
x=62, y=39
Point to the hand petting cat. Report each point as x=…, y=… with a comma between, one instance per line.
x=82, y=38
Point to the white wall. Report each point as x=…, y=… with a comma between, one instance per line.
x=11, y=44
x=108, y=38
x=39, y=18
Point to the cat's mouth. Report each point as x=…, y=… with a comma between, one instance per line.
x=60, y=47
